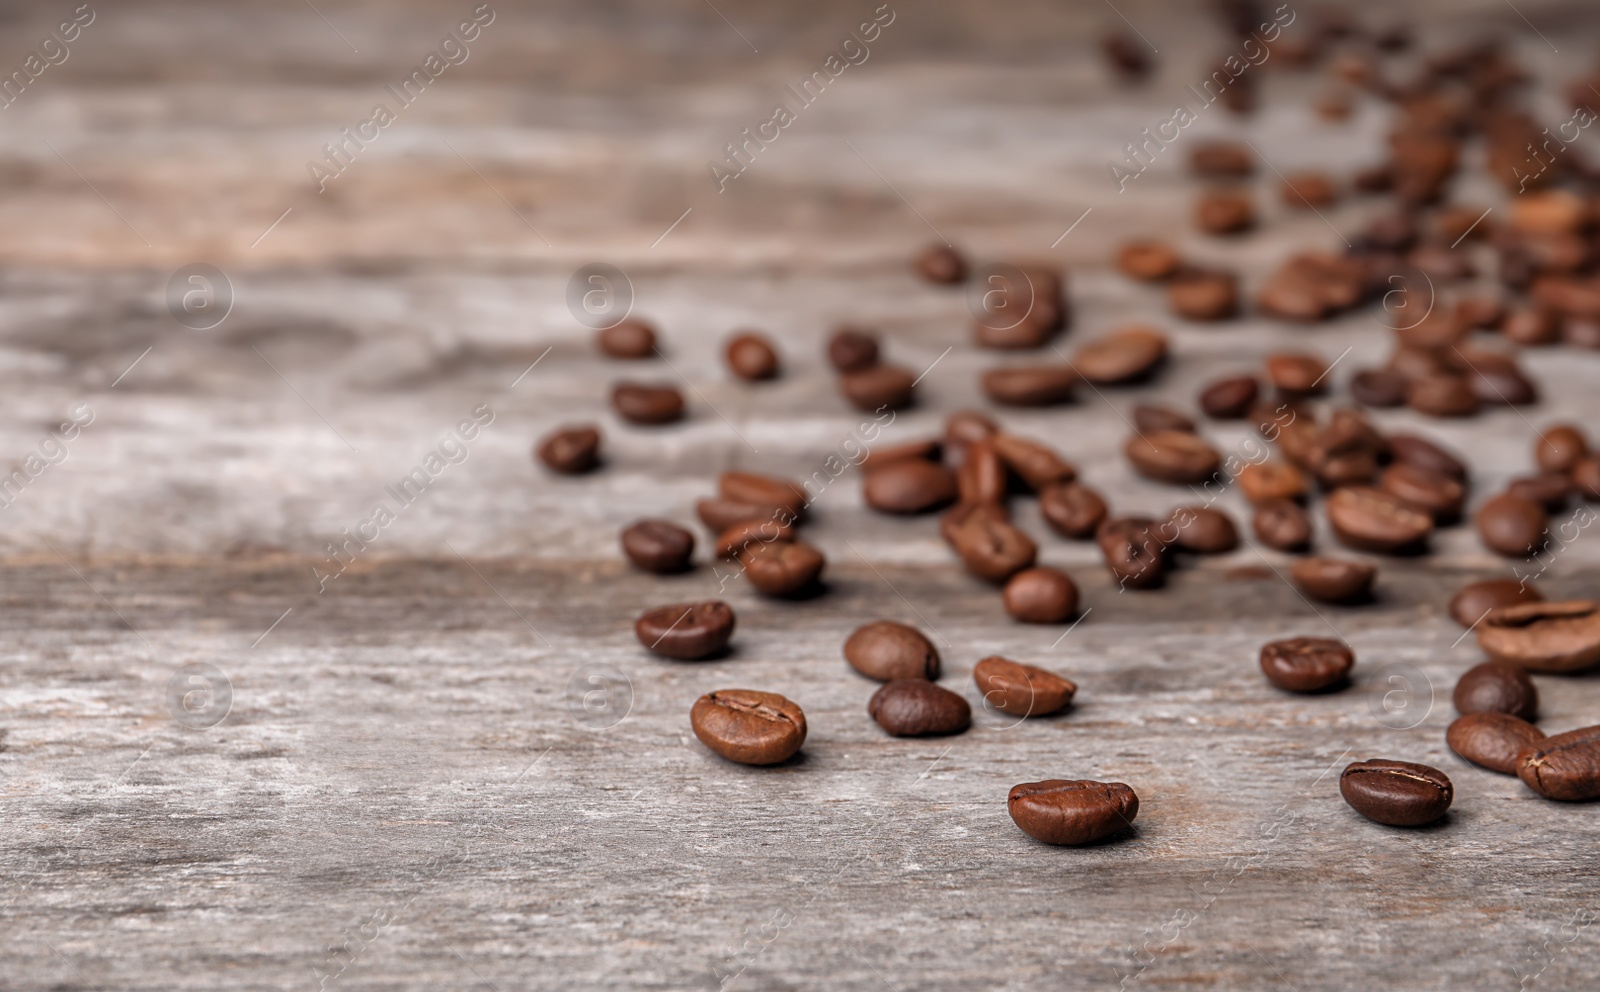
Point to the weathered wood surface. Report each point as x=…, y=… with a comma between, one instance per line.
x=408, y=750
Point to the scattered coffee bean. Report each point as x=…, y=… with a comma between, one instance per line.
x=1221, y=160
x=1036, y=464
x=659, y=546
x=1492, y=739
x=570, y=450
x=909, y=486
x=1203, y=530
x=1564, y=767
x=918, y=708
x=632, y=338
x=782, y=568
x=1333, y=580
x=1313, y=286
x=1202, y=295
x=1586, y=478
x=762, y=490
x=1560, y=448
x=1133, y=552
x=991, y=548
x=1378, y=388
x=885, y=650
x=982, y=476
x=1473, y=600
x=1126, y=55
x=1282, y=525
x=852, y=350
x=967, y=426
x=1424, y=454
x=686, y=631
x=1495, y=378
x=1224, y=212
x=1496, y=688
x=747, y=726
x=1372, y=520
x=1562, y=636
x=1041, y=595
x=1309, y=191
x=1442, y=395
x=1148, y=261
x=1072, y=509
x=927, y=450
x=1022, y=690
x=1230, y=399
x=881, y=387
x=720, y=514
x=751, y=357
x=1482, y=313
x=962, y=514
x=1531, y=326
x=942, y=265
x=742, y=537
x=1173, y=456
x=1551, y=490
x=647, y=405
x=1307, y=664
x=1030, y=385
x=1149, y=418
x=1263, y=482
x=1297, y=374
x=1437, y=495
x=1130, y=354
x=1514, y=526
x=1062, y=811
x=1396, y=793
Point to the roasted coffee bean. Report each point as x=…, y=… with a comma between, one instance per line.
x=647, y=405
x=762, y=490
x=918, y=708
x=982, y=476
x=966, y=426
x=1424, y=454
x=659, y=546
x=909, y=486
x=747, y=726
x=1041, y=595
x=1230, y=399
x=1029, y=385
x=1372, y=520
x=1313, y=286
x=632, y=338
x=1309, y=191
x=1483, y=313
x=1202, y=530
x=1062, y=811
x=1495, y=688
x=1148, y=261
x=1586, y=478
x=1149, y=418
x=1565, y=767
x=1072, y=509
x=1473, y=600
x=1221, y=160
x=852, y=349
x=990, y=547
x=1172, y=456
x=1514, y=526
x=1442, y=395
x=885, y=650
x=1126, y=55
x=1133, y=552
x=1492, y=739
x=927, y=450
x=881, y=387
x=1551, y=490
x=1204, y=295
x=1037, y=465
x=1531, y=326
x=1560, y=448
x=1298, y=438
x=570, y=450
x=1307, y=664
x=1224, y=212
x=751, y=357
x=1378, y=388
x=1437, y=495
x=942, y=265
x=1263, y=482
x=1496, y=378
x=1023, y=313
x=1282, y=525
x=742, y=537
x=1022, y=690
x=686, y=631
x=1562, y=636
x=1297, y=374
x=1333, y=580
x=782, y=568
x=1129, y=354
x=720, y=514
x=1414, y=363
x=1396, y=793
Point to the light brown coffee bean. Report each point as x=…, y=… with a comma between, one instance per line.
x=885, y=650
x=1070, y=812
x=1564, y=767
x=1372, y=520
x=1473, y=600
x=647, y=405
x=909, y=486
x=1072, y=509
x=1562, y=636
x=1307, y=664
x=1396, y=793
x=991, y=548
x=1129, y=354
x=1022, y=690
x=782, y=568
x=752, y=357
x=1492, y=740
x=1029, y=385
x=1203, y=295
x=687, y=631
x=1224, y=212
x=1149, y=418
x=1037, y=465
x=1496, y=688
x=1263, y=482
x=1514, y=526
x=1333, y=580
x=748, y=726
x=570, y=450
x=632, y=338
x=762, y=490
x=1148, y=261
x=881, y=387
x=1041, y=595
x=1282, y=525
x=918, y=708
x=1173, y=456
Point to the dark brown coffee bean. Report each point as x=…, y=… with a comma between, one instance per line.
x=751, y=357
x=881, y=387
x=1022, y=690
x=991, y=548
x=1563, y=636
x=1495, y=688
x=1442, y=395
x=1037, y=465
x=1492, y=739
x=1038, y=297
x=1282, y=525
x=1041, y=595
x=747, y=726
x=1473, y=600
x=1564, y=767
x=741, y=537
x=909, y=486
x=1148, y=261
x=885, y=650
x=1062, y=811
x=1127, y=355
x=1263, y=482
x=982, y=477
x=632, y=338
x=1372, y=520
x=1396, y=793
x=1030, y=385
x=1586, y=478
x=1296, y=374
x=1149, y=418
x=1560, y=447
x=1551, y=490
x=1378, y=388
x=1072, y=509
x=962, y=513
x=1133, y=552
x=1202, y=295
x=1437, y=495
x=783, y=568
x=659, y=546
x=1307, y=664
x=1221, y=160
x=1424, y=454
x=762, y=490
x=1333, y=580
x=720, y=514
x=570, y=450
x=852, y=349
x=1496, y=378
x=1202, y=530
x=1309, y=191
x=647, y=405
x=686, y=631
x=1513, y=526
x=1230, y=399
x=1172, y=456
x=927, y=450
x=918, y=708
x=1224, y=212
x=1126, y=56
x=942, y=265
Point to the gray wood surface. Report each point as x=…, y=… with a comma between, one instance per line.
x=454, y=767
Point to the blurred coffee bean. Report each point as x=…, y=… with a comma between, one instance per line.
x=570, y=450
x=1149, y=418
x=629, y=339
x=1072, y=509
x=659, y=546
x=1030, y=385
x=751, y=357
x=1129, y=354
x=1224, y=212
x=1333, y=580
x=1231, y=398
x=1282, y=525
x=942, y=265
x=881, y=387
x=647, y=405
x=852, y=350
x=1514, y=526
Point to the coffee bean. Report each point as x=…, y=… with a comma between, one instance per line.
x=659, y=546
x=927, y=450
x=751, y=357
x=1297, y=374
x=1309, y=190
x=632, y=338
x=1041, y=595
x=1414, y=363
x=1032, y=385
x=1473, y=600
x=1230, y=399
x=1202, y=530
x=1562, y=636
x=1263, y=482
x=1372, y=520
x=1149, y=418
x=1307, y=664
x=570, y=450
x=942, y=265
x=1513, y=526
x=982, y=477
x=1482, y=313
x=1203, y=295
x=1282, y=525
x=1333, y=580
x=1127, y=355
x=1063, y=811
x=1133, y=552
x=1396, y=793
x=1173, y=456
x=1126, y=56
x=1221, y=160
x=720, y=514
x=1442, y=395
x=909, y=486
x=852, y=349
x=1496, y=688
x=967, y=426
x=782, y=568
x=1533, y=325
x=1586, y=478
x=1565, y=767
x=1424, y=454
x=962, y=514
x=1072, y=509
x=885, y=650
x=1224, y=212
x=918, y=708
x=647, y=405
x=1148, y=261
x=1022, y=690
x=1492, y=739
x=1560, y=448
x=1313, y=286
x=1437, y=495
x=1021, y=312
x=1496, y=378
x=1551, y=490
x=686, y=631
x=762, y=490
x=1037, y=465
x=991, y=548
x=881, y=387
x=747, y=726
x=749, y=534
x=1378, y=388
